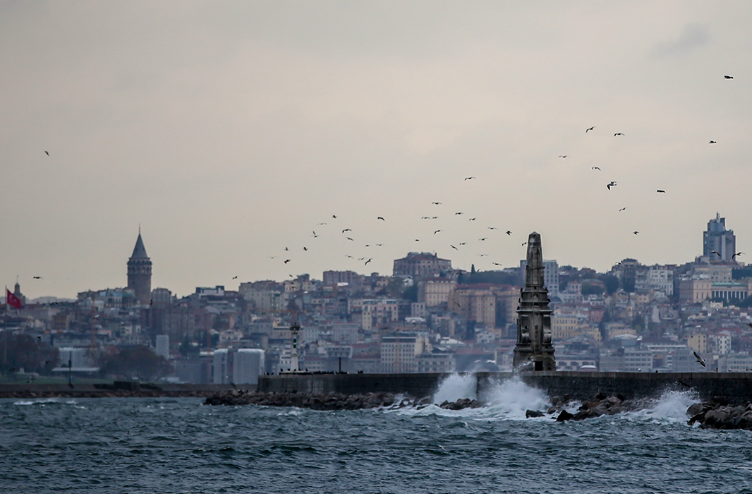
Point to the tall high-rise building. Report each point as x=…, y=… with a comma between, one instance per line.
x=718, y=243
x=139, y=272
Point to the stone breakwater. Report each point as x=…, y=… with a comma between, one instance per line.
x=144, y=393
x=598, y=406
x=331, y=401
x=718, y=414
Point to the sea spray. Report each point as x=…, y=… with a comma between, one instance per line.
x=670, y=407
x=455, y=387
x=511, y=398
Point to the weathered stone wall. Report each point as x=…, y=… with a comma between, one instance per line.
x=736, y=387
x=417, y=385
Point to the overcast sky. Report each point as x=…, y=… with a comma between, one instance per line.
x=230, y=130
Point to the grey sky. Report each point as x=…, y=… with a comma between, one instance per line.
x=228, y=130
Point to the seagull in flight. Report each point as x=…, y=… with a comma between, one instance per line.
x=286, y=261
x=715, y=252
x=452, y=246
x=523, y=243
x=508, y=232
x=469, y=178
x=596, y=168
x=700, y=360
x=380, y=218
x=305, y=249
x=334, y=216
x=661, y=191
x=435, y=203
x=589, y=129
x=483, y=239
x=737, y=254
x=562, y=156
x=712, y=142
x=492, y=228
x=496, y=263
x=368, y=261
x=471, y=219
x=619, y=134
x=350, y=239
x=462, y=243
x=346, y=230
x=39, y=277
x=728, y=77
x=483, y=255
x=458, y=213
x=437, y=231
x=47, y=153
x=635, y=232
x=622, y=209
x=234, y=277
x=321, y=224
x=612, y=184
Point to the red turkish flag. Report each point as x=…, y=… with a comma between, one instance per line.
x=12, y=300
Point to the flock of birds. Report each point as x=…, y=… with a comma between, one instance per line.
x=347, y=233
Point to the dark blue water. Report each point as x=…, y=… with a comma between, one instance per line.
x=177, y=445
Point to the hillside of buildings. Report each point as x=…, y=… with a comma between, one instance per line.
x=424, y=317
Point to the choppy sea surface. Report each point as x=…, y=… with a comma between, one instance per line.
x=168, y=445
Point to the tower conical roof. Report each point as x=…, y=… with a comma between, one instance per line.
x=139, y=251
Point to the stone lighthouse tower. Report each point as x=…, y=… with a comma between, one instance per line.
x=534, y=314
x=139, y=272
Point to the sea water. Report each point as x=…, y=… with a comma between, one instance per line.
x=168, y=445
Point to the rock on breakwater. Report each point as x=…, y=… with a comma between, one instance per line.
x=718, y=414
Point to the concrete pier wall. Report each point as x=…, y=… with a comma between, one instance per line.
x=736, y=387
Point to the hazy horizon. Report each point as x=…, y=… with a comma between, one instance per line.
x=230, y=131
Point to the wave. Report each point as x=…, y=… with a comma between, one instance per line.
x=456, y=387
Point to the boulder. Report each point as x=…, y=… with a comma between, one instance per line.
x=533, y=414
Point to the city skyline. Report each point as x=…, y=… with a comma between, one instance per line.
x=229, y=133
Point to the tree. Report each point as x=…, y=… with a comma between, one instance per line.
x=23, y=351
x=136, y=362
x=591, y=289
x=411, y=293
x=610, y=281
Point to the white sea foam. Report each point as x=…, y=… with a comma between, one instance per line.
x=456, y=387
x=670, y=407
x=511, y=398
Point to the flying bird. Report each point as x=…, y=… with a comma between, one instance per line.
x=492, y=228
x=47, y=153
x=612, y=184
x=346, y=230
x=437, y=231
x=417, y=240
x=286, y=261
x=589, y=129
x=452, y=246
x=700, y=360
x=368, y=261
x=728, y=77
x=562, y=156
x=596, y=168
x=305, y=249
x=508, y=232
x=314, y=234
x=286, y=248
x=471, y=219
x=737, y=254
x=619, y=134
x=436, y=203
x=379, y=245
x=483, y=239
x=334, y=216
x=661, y=191
x=523, y=243
x=715, y=252
x=322, y=223
x=469, y=178
x=622, y=209
x=483, y=255
x=350, y=239
x=712, y=142
x=462, y=243
x=351, y=257
x=380, y=218
x=635, y=232
x=458, y=213
x=37, y=277
x=234, y=277
x=496, y=263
